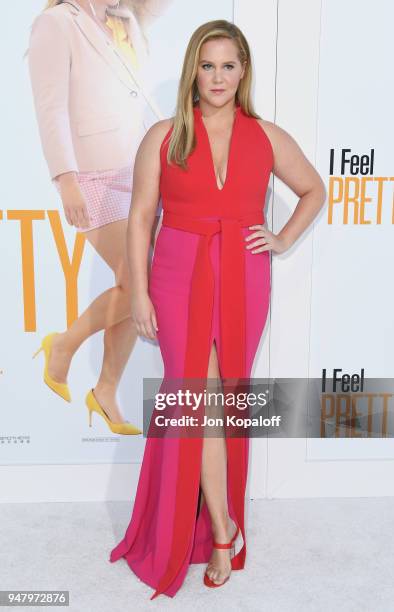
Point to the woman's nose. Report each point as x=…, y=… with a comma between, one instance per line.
x=218, y=77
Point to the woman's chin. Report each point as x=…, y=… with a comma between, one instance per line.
x=217, y=100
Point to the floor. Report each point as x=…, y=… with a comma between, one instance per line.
x=304, y=555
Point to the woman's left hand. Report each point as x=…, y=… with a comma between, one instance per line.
x=264, y=240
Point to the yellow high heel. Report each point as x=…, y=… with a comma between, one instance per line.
x=118, y=428
x=59, y=388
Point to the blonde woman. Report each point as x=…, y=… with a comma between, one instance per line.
x=206, y=299
x=86, y=61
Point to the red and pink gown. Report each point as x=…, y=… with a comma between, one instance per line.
x=205, y=287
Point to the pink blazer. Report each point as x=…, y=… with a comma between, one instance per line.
x=91, y=104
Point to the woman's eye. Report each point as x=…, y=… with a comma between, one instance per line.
x=207, y=66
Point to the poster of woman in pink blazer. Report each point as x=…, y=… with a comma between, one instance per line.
x=86, y=63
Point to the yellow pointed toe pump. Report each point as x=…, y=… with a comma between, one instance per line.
x=125, y=428
x=59, y=388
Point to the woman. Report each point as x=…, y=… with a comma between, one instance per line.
x=207, y=297
x=86, y=62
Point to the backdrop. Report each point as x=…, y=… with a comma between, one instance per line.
x=322, y=73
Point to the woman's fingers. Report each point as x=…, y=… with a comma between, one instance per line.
x=257, y=243
x=68, y=216
x=74, y=218
x=85, y=217
x=264, y=240
x=81, y=217
x=144, y=316
x=152, y=325
x=144, y=332
x=254, y=235
x=140, y=329
x=261, y=238
x=262, y=232
x=149, y=330
x=77, y=216
x=266, y=247
x=154, y=321
x=145, y=328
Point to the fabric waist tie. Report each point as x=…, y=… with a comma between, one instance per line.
x=233, y=365
x=232, y=292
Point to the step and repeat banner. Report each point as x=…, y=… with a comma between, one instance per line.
x=353, y=247
x=352, y=325
x=50, y=274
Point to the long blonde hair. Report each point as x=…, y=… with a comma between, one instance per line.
x=182, y=140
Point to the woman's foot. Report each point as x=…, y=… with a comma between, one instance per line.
x=106, y=397
x=59, y=359
x=219, y=566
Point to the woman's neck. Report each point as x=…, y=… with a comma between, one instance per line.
x=100, y=10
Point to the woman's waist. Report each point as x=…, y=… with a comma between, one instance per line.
x=212, y=222
x=97, y=159
x=123, y=174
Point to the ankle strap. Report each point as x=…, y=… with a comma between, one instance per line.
x=229, y=545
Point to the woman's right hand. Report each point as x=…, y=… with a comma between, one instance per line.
x=74, y=204
x=144, y=316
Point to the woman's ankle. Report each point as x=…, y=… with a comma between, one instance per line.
x=64, y=343
x=223, y=526
x=105, y=389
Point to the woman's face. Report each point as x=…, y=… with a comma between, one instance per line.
x=219, y=71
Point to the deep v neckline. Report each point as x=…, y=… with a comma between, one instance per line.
x=198, y=114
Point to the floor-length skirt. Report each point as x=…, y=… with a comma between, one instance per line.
x=153, y=533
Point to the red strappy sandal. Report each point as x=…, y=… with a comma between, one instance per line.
x=207, y=581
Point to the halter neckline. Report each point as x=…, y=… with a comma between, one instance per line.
x=199, y=117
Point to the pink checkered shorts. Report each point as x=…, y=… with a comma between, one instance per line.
x=107, y=194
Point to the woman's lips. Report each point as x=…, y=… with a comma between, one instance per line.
x=217, y=91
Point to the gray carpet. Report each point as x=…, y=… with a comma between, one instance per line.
x=303, y=555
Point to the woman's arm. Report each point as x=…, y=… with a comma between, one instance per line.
x=145, y=199
x=49, y=64
x=294, y=169
x=49, y=58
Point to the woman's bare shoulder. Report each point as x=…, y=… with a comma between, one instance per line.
x=161, y=127
x=154, y=137
x=156, y=133
x=277, y=135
